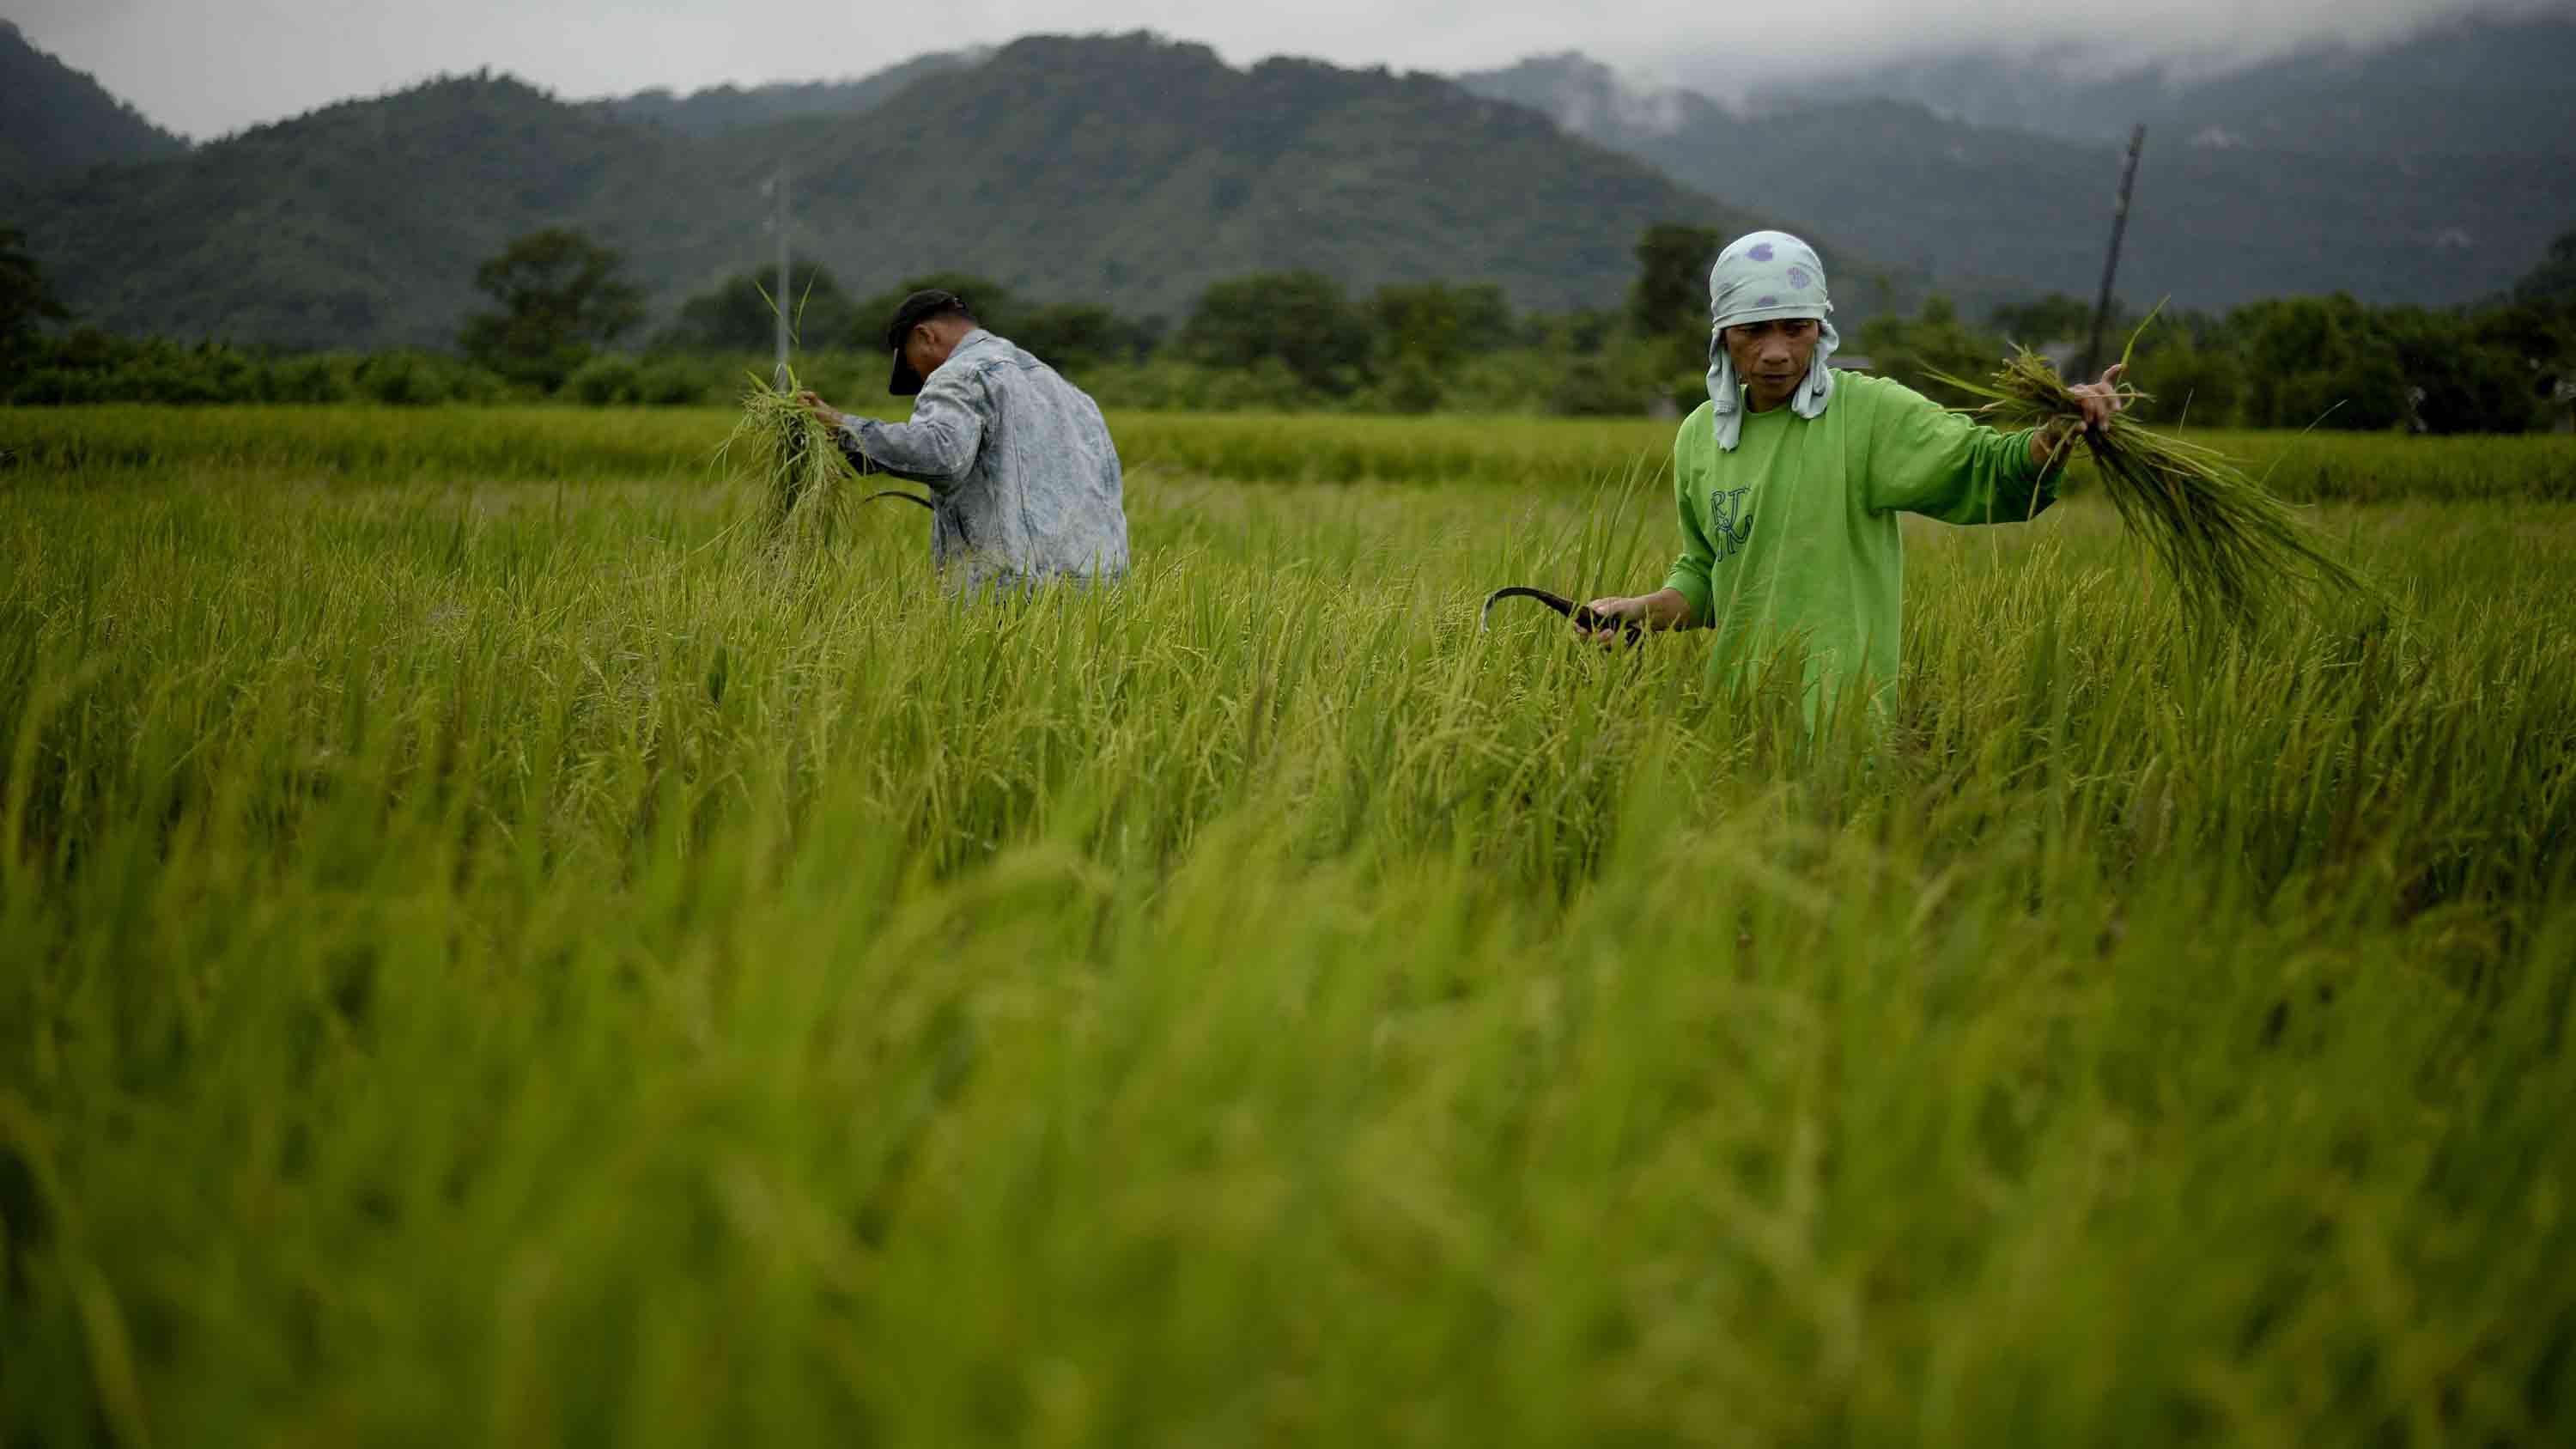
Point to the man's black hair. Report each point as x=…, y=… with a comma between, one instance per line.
x=920, y=307
x=924, y=306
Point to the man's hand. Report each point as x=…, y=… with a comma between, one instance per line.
x=2102, y=399
x=831, y=418
x=1662, y=609
x=2101, y=402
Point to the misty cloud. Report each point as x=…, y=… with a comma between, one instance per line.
x=207, y=67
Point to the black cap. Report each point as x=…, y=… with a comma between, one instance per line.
x=916, y=309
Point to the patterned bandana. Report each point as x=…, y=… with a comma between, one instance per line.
x=1766, y=275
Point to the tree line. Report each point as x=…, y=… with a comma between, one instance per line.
x=566, y=323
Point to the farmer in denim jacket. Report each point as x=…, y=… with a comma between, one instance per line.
x=1024, y=481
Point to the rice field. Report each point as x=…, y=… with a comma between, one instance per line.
x=490, y=952
x=538, y=444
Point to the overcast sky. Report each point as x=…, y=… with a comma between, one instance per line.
x=207, y=67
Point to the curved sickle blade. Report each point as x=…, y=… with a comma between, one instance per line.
x=899, y=493
x=1580, y=614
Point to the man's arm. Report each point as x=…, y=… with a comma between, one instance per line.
x=937, y=447
x=843, y=435
x=1682, y=603
x=1927, y=459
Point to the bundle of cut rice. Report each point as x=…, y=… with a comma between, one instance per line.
x=782, y=447
x=2229, y=547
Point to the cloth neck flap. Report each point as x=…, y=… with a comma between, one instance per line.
x=1763, y=276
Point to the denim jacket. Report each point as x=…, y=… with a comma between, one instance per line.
x=1024, y=481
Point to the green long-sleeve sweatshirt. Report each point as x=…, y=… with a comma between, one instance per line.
x=1790, y=541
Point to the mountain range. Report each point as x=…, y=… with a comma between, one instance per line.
x=718, y=110
x=1133, y=170
x=1128, y=170
x=2470, y=87
x=56, y=121
x=2233, y=203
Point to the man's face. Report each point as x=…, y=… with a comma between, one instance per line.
x=1772, y=358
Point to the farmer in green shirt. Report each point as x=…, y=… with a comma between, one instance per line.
x=1791, y=475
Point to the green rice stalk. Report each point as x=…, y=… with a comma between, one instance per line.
x=2230, y=548
x=782, y=448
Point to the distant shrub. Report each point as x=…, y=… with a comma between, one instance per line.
x=608, y=378
x=2201, y=386
x=397, y=379
x=2460, y=388
x=171, y=382
x=409, y=378
x=1414, y=387
x=307, y=380
x=677, y=382
x=1591, y=387
x=1266, y=385
x=56, y=387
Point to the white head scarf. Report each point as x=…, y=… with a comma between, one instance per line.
x=1766, y=275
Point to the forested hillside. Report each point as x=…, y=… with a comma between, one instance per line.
x=1129, y=171
x=1134, y=172
x=56, y=121
x=718, y=110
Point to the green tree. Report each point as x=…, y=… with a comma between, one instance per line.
x=1670, y=294
x=2189, y=383
x=25, y=300
x=737, y=314
x=1081, y=337
x=2365, y=392
x=2460, y=382
x=1577, y=332
x=1668, y=301
x=2056, y=317
x=1302, y=319
x=561, y=296
x=2554, y=280
x=1436, y=324
x=2543, y=337
x=1911, y=349
x=2318, y=361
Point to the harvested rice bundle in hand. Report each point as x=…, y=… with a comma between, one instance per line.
x=2229, y=546
x=781, y=446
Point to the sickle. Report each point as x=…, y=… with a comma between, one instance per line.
x=1581, y=614
x=899, y=493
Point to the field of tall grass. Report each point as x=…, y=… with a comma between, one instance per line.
x=489, y=953
x=552, y=444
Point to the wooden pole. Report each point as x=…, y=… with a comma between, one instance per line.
x=2111, y=265
x=778, y=224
